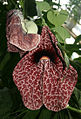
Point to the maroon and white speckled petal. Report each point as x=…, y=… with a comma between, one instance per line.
x=58, y=85
x=27, y=77
x=18, y=40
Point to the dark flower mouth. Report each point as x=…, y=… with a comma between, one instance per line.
x=44, y=53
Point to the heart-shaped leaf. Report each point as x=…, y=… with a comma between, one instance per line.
x=43, y=6
x=57, y=18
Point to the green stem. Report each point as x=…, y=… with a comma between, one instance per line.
x=74, y=109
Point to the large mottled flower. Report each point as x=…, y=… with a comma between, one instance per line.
x=20, y=38
x=42, y=76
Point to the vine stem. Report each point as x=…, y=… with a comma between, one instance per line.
x=74, y=109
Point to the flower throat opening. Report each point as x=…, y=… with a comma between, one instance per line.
x=44, y=54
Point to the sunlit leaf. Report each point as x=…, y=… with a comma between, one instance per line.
x=43, y=6
x=59, y=38
x=57, y=18
x=29, y=27
x=62, y=33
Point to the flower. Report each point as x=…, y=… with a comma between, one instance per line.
x=42, y=76
x=18, y=39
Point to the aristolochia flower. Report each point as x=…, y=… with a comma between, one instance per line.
x=42, y=76
x=19, y=35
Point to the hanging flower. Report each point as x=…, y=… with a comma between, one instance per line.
x=19, y=39
x=42, y=76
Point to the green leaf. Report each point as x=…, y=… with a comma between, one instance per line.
x=77, y=93
x=29, y=8
x=29, y=26
x=43, y=6
x=57, y=18
x=31, y=114
x=66, y=58
x=70, y=48
x=62, y=33
x=59, y=38
x=45, y=114
x=5, y=102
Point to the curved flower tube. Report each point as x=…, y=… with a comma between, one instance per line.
x=18, y=39
x=42, y=77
